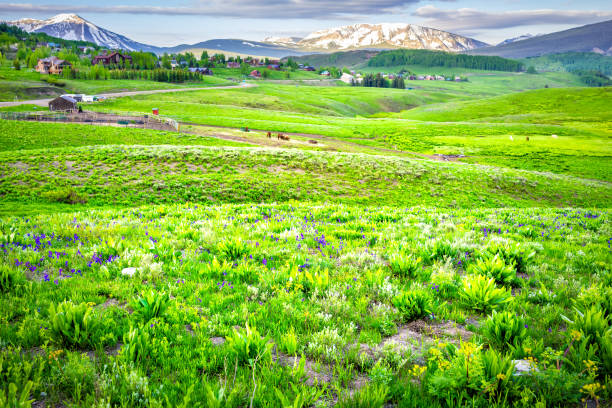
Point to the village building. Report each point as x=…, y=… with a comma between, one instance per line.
x=51, y=65
x=63, y=103
x=203, y=71
x=309, y=68
x=347, y=78
x=255, y=74
x=233, y=64
x=112, y=58
x=325, y=73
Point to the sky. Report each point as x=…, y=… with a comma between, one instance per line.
x=168, y=22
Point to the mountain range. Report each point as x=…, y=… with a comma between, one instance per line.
x=386, y=35
x=357, y=36
x=590, y=38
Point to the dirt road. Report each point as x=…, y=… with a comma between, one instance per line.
x=45, y=102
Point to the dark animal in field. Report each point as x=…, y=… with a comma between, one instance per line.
x=527, y=138
x=269, y=134
x=280, y=136
x=312, y=141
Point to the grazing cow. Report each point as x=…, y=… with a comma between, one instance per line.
x=527, y=138
x=269, y=135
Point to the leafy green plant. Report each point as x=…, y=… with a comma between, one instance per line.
x=74, y=325
x=233, y=249
x=406, y=266
x=8, y=278
x=136, y=345
x=497, y=370
x=151, y=304
x=504, y=329
x=19, y=378
x=482, y=295
x=247, y=345
x=514, y=255
x=371, y=396
x=413, y=304
x=301, y=396
x=494, y=267
x=289, y=342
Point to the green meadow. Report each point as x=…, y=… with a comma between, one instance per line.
x=442, y=246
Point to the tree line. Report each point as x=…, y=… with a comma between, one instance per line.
x=378, y=81
x=444, y=59
x=159, y=75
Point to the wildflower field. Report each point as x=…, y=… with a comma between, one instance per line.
x=400, y=249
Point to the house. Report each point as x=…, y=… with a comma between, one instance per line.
x=52, y=65
x=412, y=77
x=63, y=103
x=173, y=64
x=325, y=73
x=202, y=71
x=112, y=58
x=255, y=74
x=274, y=67
x=309, y=68
x=85, y=49
x=457, y=79
x=439, y=78
x=233, y=64
x=347, y=78
x=421, y=78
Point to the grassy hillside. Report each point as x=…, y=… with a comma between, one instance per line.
x=550, y=106
x=572, y=61
x=135, y=175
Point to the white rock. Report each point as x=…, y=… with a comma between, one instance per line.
x=523, y=367
x=128, y=272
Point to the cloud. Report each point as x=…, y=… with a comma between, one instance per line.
x=471, y=19
x=299, y=9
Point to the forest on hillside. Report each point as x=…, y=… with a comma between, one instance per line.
x=429, y=58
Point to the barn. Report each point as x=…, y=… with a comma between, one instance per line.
x=63, y=104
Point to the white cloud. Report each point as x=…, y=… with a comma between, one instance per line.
x=296, y=9
x=472, y=19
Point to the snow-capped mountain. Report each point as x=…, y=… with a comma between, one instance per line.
x=389, y=35
x=283, y=41
x=73, y=27
x=515, y=39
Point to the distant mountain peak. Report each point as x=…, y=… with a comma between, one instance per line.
x=387, y=35
x=69, y=26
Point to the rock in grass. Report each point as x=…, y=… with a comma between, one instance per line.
x=522, y=367
x=128, y=272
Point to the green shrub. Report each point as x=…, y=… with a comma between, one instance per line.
x=247, y=345
x=74, y=325
x=150, y=305
x=494, y=267
x=504, y=329
x=65, y=196
x=413, y=304
x=405, y=266
x=481, y=295
x=289, y=342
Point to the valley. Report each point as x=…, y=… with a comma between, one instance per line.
x=291, y=238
